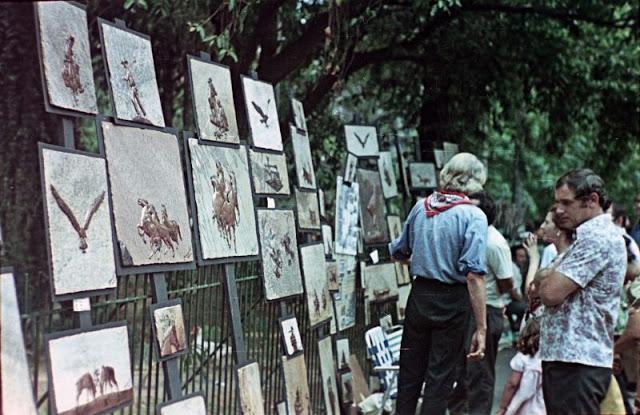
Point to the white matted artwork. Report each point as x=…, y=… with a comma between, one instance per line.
x=342, y=353
x=380, y=281
x=403, y=297
x=327, y=240
x=192, y=404
x=131, y=74
x=296, y=385
x=269, y=173
x=308, y=210
x=347, y=208
x=362, y=140
x=16, y=393
x=350, y=168
x=224, y=202
x=250, y=390
x=373, y=211
x=80, y=357
x=291, y=335
x=387, y=175
x=150, y=213
x=170, y=336
x=66, y=56
x=279, y=249
x=213, y=105
x=345, y=301
x=299, y=119
x=422, y=176
x=449, y=150
x=328, y=374
x=262, y=113
x=304, y=163
x=314, y=269
x=78, y=221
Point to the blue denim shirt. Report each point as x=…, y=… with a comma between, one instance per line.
x=445, y=247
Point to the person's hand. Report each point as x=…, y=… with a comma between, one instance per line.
x=501, y=411
x=531, y=245
x=617, y=364
x=405, y=261
x=478, y=344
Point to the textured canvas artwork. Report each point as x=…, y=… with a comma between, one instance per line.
x=269, y=173
x=387, y=175
x=250, y=390
x=342, y=353
x=296, y=385
x=213, y=105
x=422, y=175
x=224, y=202
x=168, y=327
x=327, y=240
x=362, y=140
x=148, y=195
x=193, y=404
x=280, y=262
x=395, y=226
x=304, y=163
x=449, y=150
x=16, y=391
x=79, y=222
x=403, y=297
x=346, y=228
x=350, y=168
x=291, y=336
x=66, y=56
x=332, y=275
x=262, y=114
x=380, y=281
x=132, y=76
x=299, y=119
x=308, y=210
x=96, y=364
x=373, y=211
x=328, y=373
x=315, y=283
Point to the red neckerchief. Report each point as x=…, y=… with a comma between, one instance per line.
x=442, y=200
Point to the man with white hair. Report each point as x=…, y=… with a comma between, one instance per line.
x=444, y=238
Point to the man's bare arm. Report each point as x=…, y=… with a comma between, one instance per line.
x=478, y=297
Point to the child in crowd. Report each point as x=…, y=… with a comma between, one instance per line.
x=522, y=393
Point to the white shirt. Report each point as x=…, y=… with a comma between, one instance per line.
x=548, y=253
x=498, y=266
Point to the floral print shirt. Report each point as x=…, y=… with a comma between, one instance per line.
x=580, y=329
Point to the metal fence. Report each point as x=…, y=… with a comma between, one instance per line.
x=210, y=365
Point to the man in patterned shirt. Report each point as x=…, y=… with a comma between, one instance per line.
x=581, y=294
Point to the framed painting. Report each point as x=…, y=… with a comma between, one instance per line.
x=422, y=176
x=350, y=168
x=262, y=113
x=151, y=216
x=307, y=210
x=299, y=118
x=249, y=389
x=332, y=275
x=279, y=248
x=192, y=404
x=438, y=156
x=222, y=202
x=305, y=172
x=79, y=234
x=327, y=240
x=387, y=175
x=269, y=174
x=169, y=335
x=314, y=269
x=395, y=226
x=212, y=97
x=328, y=374
x=449, y=150
x=362, y=140
x=403, y=297
x=346, y=227
x=346, y=387
x=97, y=361
x=131, y=75
x=342, y=353
x=65, y=56
x=296, y=385
x=16, y=392
x=380, y=282
x=373, y=211
x=291, y=335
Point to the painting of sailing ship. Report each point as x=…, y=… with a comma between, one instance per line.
x=269, y=174
x=296, y=385
x=66, y=56
x=170, y=336
x=362, y=140
x=379, y=281
x=262, y=113
x=79, y=222
x=213, y=104
x=373, y=211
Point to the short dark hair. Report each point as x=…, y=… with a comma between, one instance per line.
x=486, y=204
x=514, y=250
x=618, y=211
x=583, y=182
